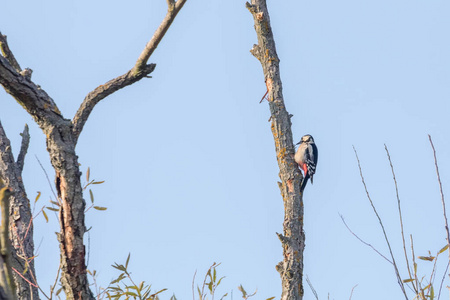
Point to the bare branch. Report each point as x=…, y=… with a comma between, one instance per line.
x=140, y=70
x=442, y=281
x=397, y=273
x=23, y=148
x=102, y=92
x=399, y=211
x=351, y=294
x=35, y=100
x=7, y=53
x=312, y=288
x=173, y=9
x=442, y=196
x=362, y=241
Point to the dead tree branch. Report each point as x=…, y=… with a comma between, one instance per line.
x=23, y=148
x=20, y=214
x=140, y=70
x=7, y=286
x=62, y=136
x=293, y=240
x=8, y=54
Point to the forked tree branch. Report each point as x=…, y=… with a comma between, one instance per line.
x=140, y=70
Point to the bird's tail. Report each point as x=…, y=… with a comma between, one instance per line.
x=305, y=180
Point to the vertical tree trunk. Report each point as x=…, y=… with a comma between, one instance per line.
x=293, y=237
x=61, y=147
x=7, y=286
x=21, y=225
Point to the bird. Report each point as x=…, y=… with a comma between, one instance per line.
x=306, y=157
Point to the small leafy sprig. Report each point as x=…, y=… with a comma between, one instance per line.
x=119, y=288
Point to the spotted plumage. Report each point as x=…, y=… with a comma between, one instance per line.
x=306, y=157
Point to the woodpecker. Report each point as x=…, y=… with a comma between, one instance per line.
x=306, y=157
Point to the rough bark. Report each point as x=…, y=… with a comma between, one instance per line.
x=293, y=237
x=7, y=285
x=21, y=225
x=61, y=137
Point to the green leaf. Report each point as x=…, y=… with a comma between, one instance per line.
x=443, y=249
x=37, y=197
x=100, y=208
x=426, y=258
x=220, y=280
x=45, y=215
x=128, y=260
x=214, y=275
x=59, y=291
x=226, y=294
x=88, y=173
x=407, y=280
x=52, y=209
x=244, y=293
x=271, y=298
x=119, y=267
x=431, y=293
x=91, y=195
x=210, y=286
x=155, y=294
x=98, y=182
x=54, y=203
x=118, y=279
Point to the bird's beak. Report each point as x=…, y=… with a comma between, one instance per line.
x=299, y=143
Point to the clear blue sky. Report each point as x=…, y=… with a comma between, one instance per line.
x=188, y=156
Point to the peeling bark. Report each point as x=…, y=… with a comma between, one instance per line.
x=293, y=237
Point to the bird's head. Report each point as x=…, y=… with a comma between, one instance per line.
x=306, y=139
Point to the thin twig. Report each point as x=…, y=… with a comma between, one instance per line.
x=193, y=283
x=312, y=288
x=442, y=196
x=365, y=243
x=351, y=294
x=397, y=273
x=415, y=266
x=442, y=281
x=172, y=11
x=48, y=179
x=20, y=274
x=52, y=288
x=399, y=210
x=140, y=70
